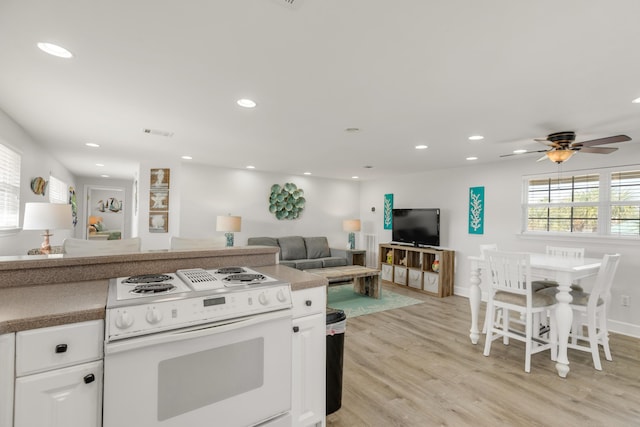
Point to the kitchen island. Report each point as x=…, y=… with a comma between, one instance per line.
x=57, y=291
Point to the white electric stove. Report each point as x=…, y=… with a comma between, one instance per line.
x=198, y=346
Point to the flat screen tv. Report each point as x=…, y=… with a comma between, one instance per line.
x=418, y=227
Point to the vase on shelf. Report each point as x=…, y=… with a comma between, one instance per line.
x=435, y=266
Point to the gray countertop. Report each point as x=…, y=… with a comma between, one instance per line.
x=38, y=304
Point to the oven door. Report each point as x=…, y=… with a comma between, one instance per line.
x=234, y=374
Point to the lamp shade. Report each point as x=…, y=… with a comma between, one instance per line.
x=559, y=156
x=47, y=216
x=228, y=223
x=351, y=225
x=94, y=219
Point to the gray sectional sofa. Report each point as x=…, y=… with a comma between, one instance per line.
x=302, y=253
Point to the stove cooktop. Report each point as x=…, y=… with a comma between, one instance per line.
x=188, y=280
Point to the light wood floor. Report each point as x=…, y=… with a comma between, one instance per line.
x=415, y=366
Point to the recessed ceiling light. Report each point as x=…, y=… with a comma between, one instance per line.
x=92, y=144
x=187, y=158
x=246, y=103
x=99, y=164
x=472, y=158
x=476, y=138
x=636, y=101
x=421, y=147
x=355, y=177
x=521, y=151
x=251, y=167
x=105, y=176
x=307, y=173
x=55, y=50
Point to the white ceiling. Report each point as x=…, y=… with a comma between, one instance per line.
x=405, y=72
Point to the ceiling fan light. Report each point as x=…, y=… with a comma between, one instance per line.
x=559, y=156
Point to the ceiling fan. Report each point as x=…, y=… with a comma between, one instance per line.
x=563, y=146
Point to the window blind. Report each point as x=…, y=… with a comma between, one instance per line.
x=9, y=188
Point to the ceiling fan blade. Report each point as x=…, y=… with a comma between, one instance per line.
x=522, y=154
x=548, y=143
x=598, y=150
x=602, y=141
x=542, y=158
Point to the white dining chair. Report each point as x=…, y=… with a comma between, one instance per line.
x=591, y=308
x=560, y=251
x=511, y=291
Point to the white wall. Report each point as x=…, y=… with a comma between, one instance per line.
x=35, y=162
x=207, y=192
x=448, y=190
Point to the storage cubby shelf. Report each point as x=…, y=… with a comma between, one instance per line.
x=425, y=269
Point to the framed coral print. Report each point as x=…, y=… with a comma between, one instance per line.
x=476, y=210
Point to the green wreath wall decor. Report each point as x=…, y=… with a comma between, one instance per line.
x=287, y=201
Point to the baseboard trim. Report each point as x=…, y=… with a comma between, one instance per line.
x=615, y=326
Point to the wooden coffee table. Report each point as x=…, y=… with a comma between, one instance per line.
x=366, y=281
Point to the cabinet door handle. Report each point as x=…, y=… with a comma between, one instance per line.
x=296, y=329
x=308, y=303
x=89, y=378
x=61, y=348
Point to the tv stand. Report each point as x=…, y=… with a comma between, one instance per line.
x=416, y=268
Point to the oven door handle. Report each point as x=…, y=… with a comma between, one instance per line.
x=192, y=332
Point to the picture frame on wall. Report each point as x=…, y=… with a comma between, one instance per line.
x=159, y=200
x=160, y=178
x=159, y=222
x=160, y=181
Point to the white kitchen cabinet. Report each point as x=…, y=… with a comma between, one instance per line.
x=69, y=397
x=309, y=357
x=7, y=358
x=59, y=376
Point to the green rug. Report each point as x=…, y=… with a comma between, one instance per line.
x=342, y=297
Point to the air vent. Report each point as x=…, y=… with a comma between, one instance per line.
x=291, y=4
x=158, y=132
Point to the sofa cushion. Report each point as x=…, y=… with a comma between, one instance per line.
x=262, y=241
x=291, y=264
x=317, y=247
x=292, y=248
x=306, y=264
x=333, y=261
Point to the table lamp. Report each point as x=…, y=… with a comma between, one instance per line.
x=229, y=224
x=351, y=225
x=93, y=220
x=46, y=216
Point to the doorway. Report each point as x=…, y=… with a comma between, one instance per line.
x=105, y=213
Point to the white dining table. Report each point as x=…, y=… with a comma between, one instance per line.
x=561, y=269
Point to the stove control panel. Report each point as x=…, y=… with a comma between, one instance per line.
x=161, y=315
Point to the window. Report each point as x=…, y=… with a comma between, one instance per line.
x=625, y=203
x=600, y=203
x=57, y=190
x=9, y=189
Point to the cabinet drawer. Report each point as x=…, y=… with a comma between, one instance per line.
x=431, y=281
x=386, y=272
x=309, y=301
x=400, y=275
x=42, y=349
x=415, y=279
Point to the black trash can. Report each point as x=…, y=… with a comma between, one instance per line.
x=336, y=326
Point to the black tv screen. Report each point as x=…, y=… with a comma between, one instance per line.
x=416, y=226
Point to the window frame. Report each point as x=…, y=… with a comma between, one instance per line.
x=12, y=188
x=604, y=204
